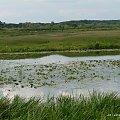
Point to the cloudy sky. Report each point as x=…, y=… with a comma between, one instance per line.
x=57, y=10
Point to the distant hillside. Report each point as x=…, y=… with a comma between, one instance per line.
x=76, y=24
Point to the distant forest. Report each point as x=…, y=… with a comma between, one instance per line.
x=81, y=24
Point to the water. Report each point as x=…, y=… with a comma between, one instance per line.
x=59, y=75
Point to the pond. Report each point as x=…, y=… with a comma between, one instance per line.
x=56, y=75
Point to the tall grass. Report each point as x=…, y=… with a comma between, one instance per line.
x=96, y=107
x=15, y=41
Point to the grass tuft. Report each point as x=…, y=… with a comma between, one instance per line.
x=95, y=107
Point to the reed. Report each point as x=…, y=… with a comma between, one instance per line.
x=98, y=106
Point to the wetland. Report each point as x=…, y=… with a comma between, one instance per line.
x=56, y=75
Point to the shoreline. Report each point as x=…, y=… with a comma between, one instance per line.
x=72, y=53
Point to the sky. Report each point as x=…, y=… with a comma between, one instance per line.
x=16, y=11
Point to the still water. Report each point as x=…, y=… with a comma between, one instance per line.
x=59, y=75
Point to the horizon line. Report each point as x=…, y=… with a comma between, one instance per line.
x=63, y=21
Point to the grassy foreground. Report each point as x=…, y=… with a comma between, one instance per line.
x=96, y=107
x=20, y=41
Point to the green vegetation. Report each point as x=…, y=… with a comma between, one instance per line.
x=15, y=41
x=89, y=53
x=22, y=56
x=68, y=35
x=64, y=108
x=71, y=38
x=13, y=56
x=76, y=24
x=96, y=107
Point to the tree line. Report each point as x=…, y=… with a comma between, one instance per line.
x=76, y=24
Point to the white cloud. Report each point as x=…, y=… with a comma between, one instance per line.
x=6, y=14
x=57, y=10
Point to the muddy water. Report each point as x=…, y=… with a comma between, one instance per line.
x=59, y=75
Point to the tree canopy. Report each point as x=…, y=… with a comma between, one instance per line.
x=80, y=24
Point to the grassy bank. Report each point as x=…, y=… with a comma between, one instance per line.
x=19, y=41
x=22, y=56
x=96, y=107
x=68, y=54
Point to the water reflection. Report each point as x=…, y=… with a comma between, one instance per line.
x=102, y=75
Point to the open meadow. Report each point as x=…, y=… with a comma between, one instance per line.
x=19, y=41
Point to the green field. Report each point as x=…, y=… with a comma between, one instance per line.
x=12, y=40
x=96, y=107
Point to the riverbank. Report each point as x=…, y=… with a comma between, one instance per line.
x=71, y=53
